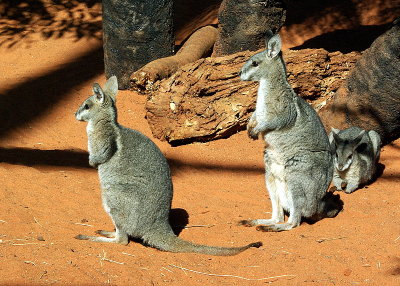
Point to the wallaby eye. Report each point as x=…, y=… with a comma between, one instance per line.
x=350, y=156
x=254, y=64
x=86, y=107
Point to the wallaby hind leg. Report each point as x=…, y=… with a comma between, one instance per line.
x=277, y=210
x=120, y=237
x=295, y=214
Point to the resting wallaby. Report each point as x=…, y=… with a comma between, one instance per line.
x=356, y=155
x=298, y=161
x=135, y=179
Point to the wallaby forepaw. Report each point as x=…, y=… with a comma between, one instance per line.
x=93, y=164
x=246, y=223
x=252, y=134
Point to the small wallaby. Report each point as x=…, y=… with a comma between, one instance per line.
x=135, y=179
x=298, y=161
x=356, y=155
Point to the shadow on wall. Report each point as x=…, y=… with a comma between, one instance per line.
x=34, y=97
x=337, y=25
x=19, y=20
x=347, y=40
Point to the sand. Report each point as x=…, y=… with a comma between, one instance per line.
x=49, y=194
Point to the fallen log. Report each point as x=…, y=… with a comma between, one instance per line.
x=198, y=45
x=206, y=100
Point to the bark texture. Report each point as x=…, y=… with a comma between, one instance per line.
x=370, y=96
x=243, y=24
x=206, y=100
x=198, y=45
x=135, y=33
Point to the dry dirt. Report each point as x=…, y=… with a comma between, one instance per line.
x=49, y=194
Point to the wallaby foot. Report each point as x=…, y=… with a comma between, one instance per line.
x=255, y=222
x=293, y=221
x=275, y=227
x=350, y=188
x=118, y=237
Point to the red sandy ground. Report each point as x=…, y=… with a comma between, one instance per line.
x=49, y=194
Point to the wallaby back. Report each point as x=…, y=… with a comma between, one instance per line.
x=135, y=179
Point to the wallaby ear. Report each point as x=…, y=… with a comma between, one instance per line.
x=98, y=92
x=330, y=136
x=335, y=130
x=274, y=45
x=111, y=87
x=359, y=137
x=334, y=135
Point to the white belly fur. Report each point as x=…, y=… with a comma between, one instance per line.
x=277, y=171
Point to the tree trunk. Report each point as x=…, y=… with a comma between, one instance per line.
x=135, y=33
x=370, y=97
x=243, y=24
x=206, y=100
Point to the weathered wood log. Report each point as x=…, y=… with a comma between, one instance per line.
x=370, y=96
x=135, y=33
x=243, y=24
x=198, y=45
x=206, y=100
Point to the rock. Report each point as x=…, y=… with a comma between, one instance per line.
x=370, y=96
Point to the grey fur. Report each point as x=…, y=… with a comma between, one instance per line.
x=135, y=179
x=298, y=162
x=356, y=155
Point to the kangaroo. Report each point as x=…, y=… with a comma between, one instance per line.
x=356, y=155
x=298, y=161
x=135, y=180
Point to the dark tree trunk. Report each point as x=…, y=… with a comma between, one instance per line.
x=370, y=97
x=135, y=33
x=243, y=24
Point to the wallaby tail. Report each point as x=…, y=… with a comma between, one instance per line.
x=170, y=242
x=329, y=206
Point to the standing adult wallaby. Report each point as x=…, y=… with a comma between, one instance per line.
x=298, y=161
x=135, y=179
x=356, y=155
